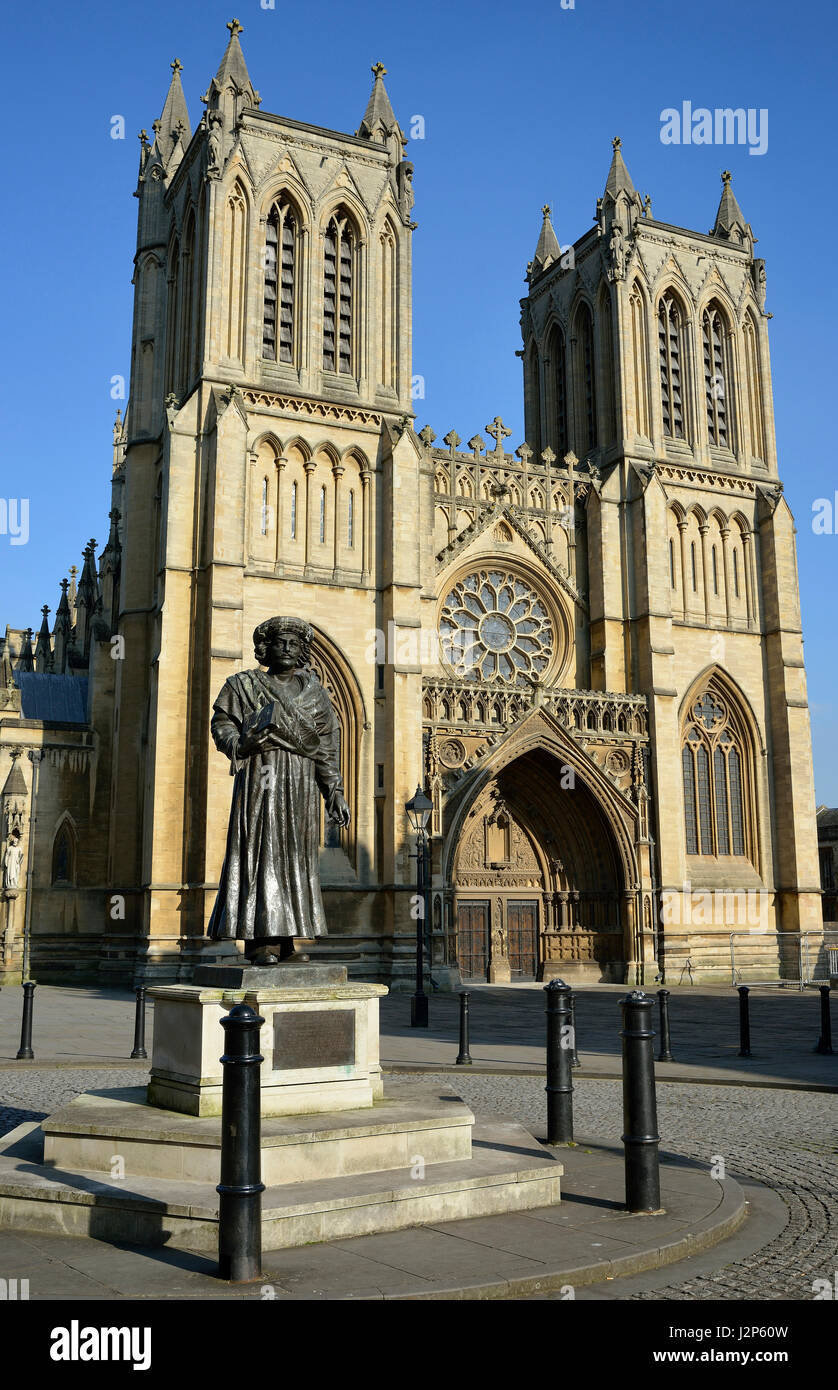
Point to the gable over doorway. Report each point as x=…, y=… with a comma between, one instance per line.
x=537, y=881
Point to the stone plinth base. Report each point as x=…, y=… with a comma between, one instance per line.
x=338, y=1156
x=406, y=1162
x=319, y=1039
x=85, y=1135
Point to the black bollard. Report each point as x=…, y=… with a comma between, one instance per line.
x=665, y=1054
x=824, y=1046
x=574, y=1055
x=744, y=1022
x=640, y=1111
x=139, y=1024
x=463, y=1057
x=559, y=1086
x=241, y=1186
x=25, y=1052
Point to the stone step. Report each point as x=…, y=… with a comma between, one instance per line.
x=421, y=1121
x=508, y=1171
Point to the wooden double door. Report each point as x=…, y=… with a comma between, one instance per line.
x=522, y=938
x=521, y=933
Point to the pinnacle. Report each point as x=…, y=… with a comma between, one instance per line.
x=548, y=248
x=379, y=119
x=173, y=125
x=232, y=64
x=619, y=178
x=729, y=215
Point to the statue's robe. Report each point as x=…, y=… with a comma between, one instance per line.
x=270, y=881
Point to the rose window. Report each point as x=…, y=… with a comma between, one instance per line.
x=493, y=626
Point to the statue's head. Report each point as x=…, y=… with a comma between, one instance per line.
x=282, y=644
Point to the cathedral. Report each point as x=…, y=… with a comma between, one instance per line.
x=586, y=649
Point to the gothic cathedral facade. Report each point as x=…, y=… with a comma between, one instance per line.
x=587, y=651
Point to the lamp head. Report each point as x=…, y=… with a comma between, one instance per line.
x=418, y=810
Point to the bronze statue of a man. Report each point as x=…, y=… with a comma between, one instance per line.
x=281, y=734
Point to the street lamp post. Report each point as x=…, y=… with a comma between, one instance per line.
x=35, y=755
x=418, y=811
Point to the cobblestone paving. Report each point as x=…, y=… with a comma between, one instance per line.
x=787, y=1140
x=30, y=1094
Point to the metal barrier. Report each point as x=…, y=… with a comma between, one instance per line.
x=802, y=958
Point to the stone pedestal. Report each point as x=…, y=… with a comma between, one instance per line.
x=406, y=1161
x=340, y=1158
x=319, y=1039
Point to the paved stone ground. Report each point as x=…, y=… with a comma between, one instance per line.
x=507, y=1030
x=95, y=1026
x=787, y=1140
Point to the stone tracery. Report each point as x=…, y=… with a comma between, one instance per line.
x=495, y=627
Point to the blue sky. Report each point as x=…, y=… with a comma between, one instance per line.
x=520, y=103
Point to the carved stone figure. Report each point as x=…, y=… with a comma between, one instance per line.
x=12, y=862
x=498, y=934
x=214, y=145
x=759, y=282
x=280, y=732
x=404, y=175
x=617, y=250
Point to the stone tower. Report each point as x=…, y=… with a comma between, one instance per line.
x=268, y=450
x=646, y=358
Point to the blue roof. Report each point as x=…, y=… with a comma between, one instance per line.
x=59, y=698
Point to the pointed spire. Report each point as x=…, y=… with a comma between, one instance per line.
x=729, y=219
x=380, y=124
x=43, y=646
x=145, y=150
x=87, y=600
x=109, y=571
x=619, y=178
x=231, y=89
x=63, y=621
x=620, y=202
x=379, y=118
x=232, y=65
x=25, y=662
x=88, y=584
x=15, y=783
x=109, y=558
x=173, y=128
x=548, y=249
x=62, y=632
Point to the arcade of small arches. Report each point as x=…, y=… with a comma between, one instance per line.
x=470, y=705
x=310, y=506
x=711, y=567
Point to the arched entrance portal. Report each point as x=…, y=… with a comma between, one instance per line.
x=537, y=882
